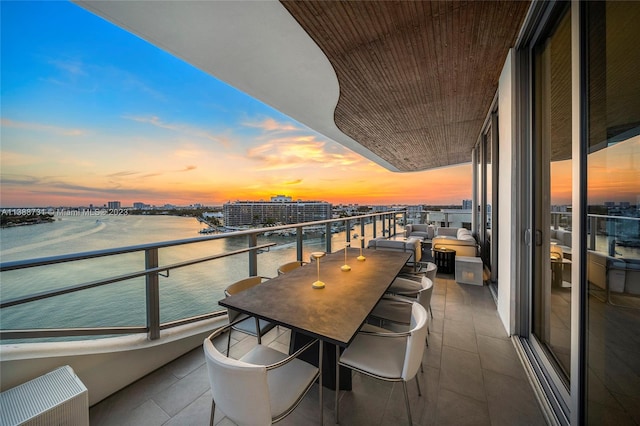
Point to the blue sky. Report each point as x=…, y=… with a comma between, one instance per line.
x=91, y=113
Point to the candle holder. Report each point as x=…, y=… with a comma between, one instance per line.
x=345, y=267
x=361, y=257
x=317, y=255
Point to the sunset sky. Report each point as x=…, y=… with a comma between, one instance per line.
x=91, y=113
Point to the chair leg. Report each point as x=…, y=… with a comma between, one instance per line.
x=337, y=382
x=213, y=412
x=418, y=385
x=229, y=341
x=406, y=400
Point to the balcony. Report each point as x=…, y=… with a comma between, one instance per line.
x=472, y=372
x=472, y=375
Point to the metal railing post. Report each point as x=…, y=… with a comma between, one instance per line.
x=393, y=218
x=375, y=230
x=153, y=294
x=253, y=255
x=299, y=243
x=362, y=233
x=328, y=237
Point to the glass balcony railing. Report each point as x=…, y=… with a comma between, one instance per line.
x=152, y=287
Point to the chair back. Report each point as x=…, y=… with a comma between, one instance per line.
x=415, y=341
x=239, y=389
x=424, y=295
x=236, y=288
x=432, y=270
x=288, y=267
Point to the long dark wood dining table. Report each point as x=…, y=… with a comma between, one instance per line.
x=333, y=314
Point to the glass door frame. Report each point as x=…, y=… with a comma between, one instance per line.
x=567, y=404
x=487, y=142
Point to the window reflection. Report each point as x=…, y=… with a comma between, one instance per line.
x=613, y=197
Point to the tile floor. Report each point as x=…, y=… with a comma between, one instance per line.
x=472, y=376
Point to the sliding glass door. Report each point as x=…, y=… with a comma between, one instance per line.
x=580, y=99
x=551, y=310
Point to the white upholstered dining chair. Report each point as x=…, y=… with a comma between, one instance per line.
x=396, y=309
x=289, y=266
x=411, y=286
x=385, y=355
x=242, y=322
x=262, y=387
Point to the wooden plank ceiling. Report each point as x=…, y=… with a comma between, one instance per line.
x=416, y=77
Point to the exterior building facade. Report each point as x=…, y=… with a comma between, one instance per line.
x=279, y=210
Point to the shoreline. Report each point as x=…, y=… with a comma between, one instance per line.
x=13, y=220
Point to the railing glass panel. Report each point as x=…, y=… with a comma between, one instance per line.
x=105, y=292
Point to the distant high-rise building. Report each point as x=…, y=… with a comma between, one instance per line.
x=467, y=204
x=279, y=209
x=113, y=205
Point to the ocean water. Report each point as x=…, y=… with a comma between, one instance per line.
x=185, y=292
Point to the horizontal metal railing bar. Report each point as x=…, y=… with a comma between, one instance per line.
x=191, y=320
x=43, y=261
x=96, y=331
x=67, y=332
x=98, y=283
